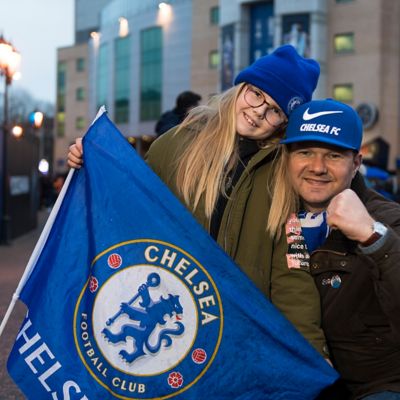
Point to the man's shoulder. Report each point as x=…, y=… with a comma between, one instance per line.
x=167, y=120
x=168, y=114
x=381, y=208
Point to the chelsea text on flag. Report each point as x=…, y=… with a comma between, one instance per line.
x=131, y=299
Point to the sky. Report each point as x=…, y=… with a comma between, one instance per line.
x=37, y=28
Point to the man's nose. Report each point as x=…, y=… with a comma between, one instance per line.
x=318, y=164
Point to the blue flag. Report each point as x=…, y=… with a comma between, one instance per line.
x=131, y=299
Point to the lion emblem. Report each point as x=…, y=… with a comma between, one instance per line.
x=146, y=319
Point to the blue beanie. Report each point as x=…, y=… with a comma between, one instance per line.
x=284, y=75
x=326, y=121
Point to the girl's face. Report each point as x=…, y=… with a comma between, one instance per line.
x=258, y=116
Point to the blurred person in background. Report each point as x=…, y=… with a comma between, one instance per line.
x=184, y=103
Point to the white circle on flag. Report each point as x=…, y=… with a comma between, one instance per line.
x=122, y=287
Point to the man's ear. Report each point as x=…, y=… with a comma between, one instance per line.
x=357, y=163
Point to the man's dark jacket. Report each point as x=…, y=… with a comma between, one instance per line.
x=360, y=296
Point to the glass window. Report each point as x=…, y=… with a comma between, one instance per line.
x=80, y=123
x=344, y=43
x=214, y=15
x=60, y=124
x=150, y=73
x=60, y=102
x=122, y=79
x=343, y=1
x=61, y=75
x=61, y=82
x=102, y=76
x=80, y=94
x=80, y=64
x=213, y=59
x=343, y=92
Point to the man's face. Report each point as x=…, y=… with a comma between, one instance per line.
x=319, y=172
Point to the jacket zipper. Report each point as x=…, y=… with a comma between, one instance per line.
x=226, y=228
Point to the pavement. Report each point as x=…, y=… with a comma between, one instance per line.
x=13, y=260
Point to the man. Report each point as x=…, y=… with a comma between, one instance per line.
x=184, y=103
x=350, y=235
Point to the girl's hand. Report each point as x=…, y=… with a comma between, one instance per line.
x=75, y=154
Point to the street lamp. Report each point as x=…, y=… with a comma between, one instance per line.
x=36, y=119
x=9, y=63
x=17, y=131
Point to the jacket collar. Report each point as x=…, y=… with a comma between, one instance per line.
x=263, y=155
x=359, y=187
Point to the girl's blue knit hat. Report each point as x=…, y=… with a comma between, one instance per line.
x=284, y=75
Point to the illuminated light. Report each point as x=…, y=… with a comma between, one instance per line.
x=17, y=76
x=43, y=166
x=123, y=27
x=10, y=60
x=147, y=138
x=95, y=38
x=164, y=13
x=5, y=52
x=37, y=119
x=163, y=6
x=17, y=131
x=14, y=62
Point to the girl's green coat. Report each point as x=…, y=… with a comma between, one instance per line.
x=244, y=238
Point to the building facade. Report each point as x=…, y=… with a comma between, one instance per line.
x=146, y=55
x=143, y=54
x=72, y=100
x=87, y=18
x=364, y=69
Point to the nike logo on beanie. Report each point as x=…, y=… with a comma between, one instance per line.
x=307, y=116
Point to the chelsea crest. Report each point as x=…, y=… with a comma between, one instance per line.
x=149, y=320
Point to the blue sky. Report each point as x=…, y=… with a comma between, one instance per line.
x=36, y=28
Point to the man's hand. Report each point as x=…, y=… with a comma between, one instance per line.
x=75, y=154
x=347, y=213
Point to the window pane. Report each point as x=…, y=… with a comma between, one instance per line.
x=60, y=102
x=214, y=15
x=122, y=79
x=80, y=94
x=150, y=73
x=102, y=76
x=61, y=75
x=213, y=59
x=80, y=64
x=61, y=82
x=343, y=92
x=80, y=123
x=344, y=43
x=60, y=124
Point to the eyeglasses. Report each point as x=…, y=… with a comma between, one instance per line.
x=255, y=98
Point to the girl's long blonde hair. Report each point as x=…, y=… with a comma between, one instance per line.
x=210, y=150
x=284, y=199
